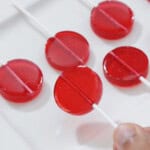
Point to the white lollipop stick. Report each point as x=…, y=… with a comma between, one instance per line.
x=141, y=78
x=107, y=117
x=41, y=27
x=89, y=4
x=144, y=81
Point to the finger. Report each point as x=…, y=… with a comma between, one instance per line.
x=132, y=137
x=115, y=147
x=124, y=135
x=147, y=129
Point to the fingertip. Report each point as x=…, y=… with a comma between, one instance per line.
x=123, y=135
x=131, y=137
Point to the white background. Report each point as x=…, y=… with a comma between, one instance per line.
x=41, y=125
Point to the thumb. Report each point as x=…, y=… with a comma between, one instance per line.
x=131, y=137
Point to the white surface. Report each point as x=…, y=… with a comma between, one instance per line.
x=7, y=12
x=41, y=125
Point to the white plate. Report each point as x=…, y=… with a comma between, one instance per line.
x=41, y=125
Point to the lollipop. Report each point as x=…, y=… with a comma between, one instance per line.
x=78, y=91
x=65, y=50
x=111, y=19
x=20, y=80
x=126, y=66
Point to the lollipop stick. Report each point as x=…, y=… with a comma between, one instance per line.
x=144, y=81
x=88, y=3
x=107, y=117
x=40, y=26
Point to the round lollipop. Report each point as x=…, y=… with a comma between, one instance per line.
x=78, y=91
x=126, y=66
x=20, y=80
x=111, y=19
x=63, y=51
x=69, y=46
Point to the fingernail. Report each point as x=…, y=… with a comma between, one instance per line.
x=125, y=134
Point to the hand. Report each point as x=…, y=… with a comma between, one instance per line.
x=131, y=137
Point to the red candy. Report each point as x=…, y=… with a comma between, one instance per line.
x=112, y=20
x=124, y=65
x=67, y=50
x=76, y=90
x=20, y=80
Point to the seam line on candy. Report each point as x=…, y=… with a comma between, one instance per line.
x=19, y=79
x=125, y=64
x=81, y=93
x=113, y=20
x=69, y=50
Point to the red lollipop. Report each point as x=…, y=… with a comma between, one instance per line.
x=65, y=50
x=111, y=19
x=126, y=66
x=20, y=80
x=78, y=91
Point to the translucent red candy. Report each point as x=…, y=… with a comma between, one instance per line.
x=20, y=80
x=76, y=90
x=112, y=20
x=124, y=65
x=67, y=50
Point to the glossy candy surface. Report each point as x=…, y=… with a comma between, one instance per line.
x=112, y=20
x=67, y=50
x=76, y=90
x=124, y=65
x=20, y=80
